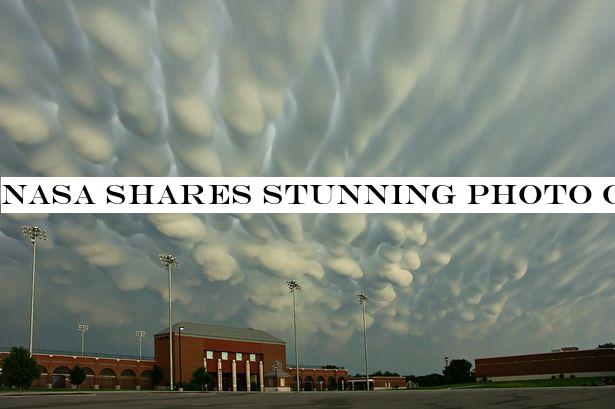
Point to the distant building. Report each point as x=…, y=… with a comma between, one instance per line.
x=567, y=361
x=378, y=382
x=319, y=378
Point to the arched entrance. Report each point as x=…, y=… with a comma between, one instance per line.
x=309, y=384
x=342, y=384
x=106, y=378
x=145, y=380
x=89, y=378
x=128, y=379
x=61, y=377
x=320, y=383
x=43, y=378
x=331, y=383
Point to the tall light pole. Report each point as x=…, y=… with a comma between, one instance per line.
x=181, y=382
x=294, y=285
x=82, y=328
x=363, y=299
x=140, y=334
x=446, y=370
x=33, y=234
x=170, y=260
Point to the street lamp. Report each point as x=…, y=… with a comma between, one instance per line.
x=33, y=234
x=363, y=299
x=140, y=334
x=180, y=357
x=82, y=328
x=170, y=260
x=292, y=286
x=446, y=370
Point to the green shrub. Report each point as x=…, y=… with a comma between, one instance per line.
x=202, y=379
x=19, y=369
x=77, y=375
x=157, y=375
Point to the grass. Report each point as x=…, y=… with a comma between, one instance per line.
x=536, y=383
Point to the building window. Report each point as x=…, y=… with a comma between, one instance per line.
x=225, y=356
x=238, y=356
x=253, y=357
x=210, y=355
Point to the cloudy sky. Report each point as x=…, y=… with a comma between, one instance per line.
x=309, y=88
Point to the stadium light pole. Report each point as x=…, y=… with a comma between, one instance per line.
x=293, y=286
x=140, y=334
x=170, y=261
x=33, y=233
x=181, y=383
x=363, y=299
x=82, y=328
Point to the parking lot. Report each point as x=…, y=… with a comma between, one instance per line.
x=553, y=398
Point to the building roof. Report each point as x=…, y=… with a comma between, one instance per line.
x=220, y=332
x=549, y=355
x=294, y=366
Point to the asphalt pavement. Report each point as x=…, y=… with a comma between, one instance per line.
x=531, y=398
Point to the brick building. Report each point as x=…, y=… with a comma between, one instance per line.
x=319, y=378
x=378, y=382
x=237, y=358
x=101, y=372
x=584, y=363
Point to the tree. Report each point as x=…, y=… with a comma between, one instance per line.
x=329, y=366
x=202, y=378
x=19, y=368
x=77, y=375
x=157, y=375
x=434, y=379
x=458, y=371
x=412, y=378
x=385, y=373
x=607, y=345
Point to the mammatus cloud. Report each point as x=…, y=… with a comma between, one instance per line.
x=302, y=88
